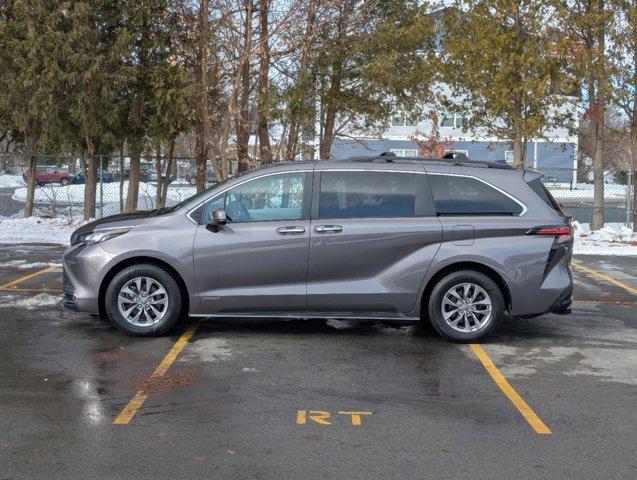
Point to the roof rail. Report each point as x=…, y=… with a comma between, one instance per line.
x=452, y=158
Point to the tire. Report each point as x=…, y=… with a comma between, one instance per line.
x=459, y=284
x=148, y=323
x=64, y=182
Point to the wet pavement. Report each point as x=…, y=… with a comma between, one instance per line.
x=261, y=398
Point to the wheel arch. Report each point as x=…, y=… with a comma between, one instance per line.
x=118, y=267
x=465, y=265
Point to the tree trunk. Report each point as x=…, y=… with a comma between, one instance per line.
x=243, y=113
x=598, y=114
x=90, y=181
x=327, y=137
x=158, y=170
x=122, y=176
x=169, y=168
x=28, y=206
x=132, y=194
x=202, y=132
x=633, y=137
x=265, y=150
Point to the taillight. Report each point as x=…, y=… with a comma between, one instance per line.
x=562, y=232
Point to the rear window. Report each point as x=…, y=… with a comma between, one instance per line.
x=458, y=195
x=538, y=187
x=367, y=194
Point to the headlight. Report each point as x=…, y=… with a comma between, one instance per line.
x=101, y=235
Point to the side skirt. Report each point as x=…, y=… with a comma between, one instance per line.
x=309, y=315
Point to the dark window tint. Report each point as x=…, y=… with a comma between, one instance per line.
x=367, y=194
x=538, y=187
x=469, y=196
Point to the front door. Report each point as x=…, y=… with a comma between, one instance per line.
x=258, y=260
x=374, y=235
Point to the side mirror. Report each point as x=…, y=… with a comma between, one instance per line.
x=216, y=218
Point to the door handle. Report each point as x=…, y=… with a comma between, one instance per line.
x=328, y=229
x=290, y=230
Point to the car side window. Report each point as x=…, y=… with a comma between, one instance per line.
x=270, y=198
x=458, y=195
x=367, y=194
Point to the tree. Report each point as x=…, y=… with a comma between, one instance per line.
x=625, y=95
x=32, y=93
x=95, y=77
x=502, y=58
x=363, y=46
x=587, y=25
x=144, y=27
x=431, y=145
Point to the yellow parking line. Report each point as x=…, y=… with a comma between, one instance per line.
x=16, y=289
x=526, y=411
x=129, y=411
x=607, y=278
x=26, y=277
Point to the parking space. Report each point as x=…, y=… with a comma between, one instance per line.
x=314, y=399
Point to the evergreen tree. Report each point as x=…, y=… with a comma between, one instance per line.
x=96, y=76
x=502, y=58
x=32, y=94
x=587, y=25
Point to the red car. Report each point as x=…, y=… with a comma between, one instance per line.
x=44, y=175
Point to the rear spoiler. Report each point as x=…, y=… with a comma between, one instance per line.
x=529, y=176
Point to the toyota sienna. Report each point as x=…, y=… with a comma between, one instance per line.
x=454, y=243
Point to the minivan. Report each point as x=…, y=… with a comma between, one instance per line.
x=455, y=243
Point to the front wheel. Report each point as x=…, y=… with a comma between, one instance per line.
x=64, y=182
x=143, y=300
x=465, y=306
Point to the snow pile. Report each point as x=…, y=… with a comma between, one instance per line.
x=31, y=302
x=605, y=241
x=37, y=230
x=11, y=181
x=23, y=265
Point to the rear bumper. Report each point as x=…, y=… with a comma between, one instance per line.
x=562, y=306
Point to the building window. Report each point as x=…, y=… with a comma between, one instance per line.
x=453, y=120
x=508, y=156
x=405, y=152
x=403, y=120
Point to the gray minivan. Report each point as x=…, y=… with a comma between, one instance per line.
x=455, y=243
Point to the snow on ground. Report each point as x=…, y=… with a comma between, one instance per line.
x=30, y=303
x=23, y=265
x=605, y=241
x=11, y=181
x=585, y=191
x=37, y=230
x=74, y=195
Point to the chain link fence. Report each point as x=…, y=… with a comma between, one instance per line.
x=574, y=191
x=61, y=181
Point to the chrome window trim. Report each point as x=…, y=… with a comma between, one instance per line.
x=519, y=202
x=280, y=172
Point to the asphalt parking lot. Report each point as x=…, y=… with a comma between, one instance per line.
x=551, y=397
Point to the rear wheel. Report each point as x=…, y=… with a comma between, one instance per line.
x=143, y=300
x=64, y=181
x=465, y=306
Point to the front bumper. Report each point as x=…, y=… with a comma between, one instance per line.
x=84, y=267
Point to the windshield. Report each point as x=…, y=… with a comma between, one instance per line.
x=203, y=193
